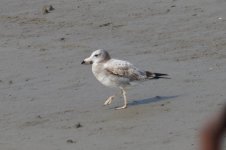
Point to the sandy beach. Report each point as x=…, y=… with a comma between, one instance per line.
x=49, y=101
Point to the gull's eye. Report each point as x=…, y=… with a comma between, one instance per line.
x=96, y=55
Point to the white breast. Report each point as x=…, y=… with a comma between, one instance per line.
x=101, y=75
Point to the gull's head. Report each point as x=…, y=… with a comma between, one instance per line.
x=98, y=56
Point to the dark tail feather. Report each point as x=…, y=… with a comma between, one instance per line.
x=151, y=75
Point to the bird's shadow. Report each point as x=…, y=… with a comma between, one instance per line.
x=151, y=100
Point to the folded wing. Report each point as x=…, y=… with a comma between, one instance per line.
x=124, y=69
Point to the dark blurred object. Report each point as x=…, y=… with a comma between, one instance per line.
x=213, y=132
x=47, y=9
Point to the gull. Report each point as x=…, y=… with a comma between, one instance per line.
x=117, y=73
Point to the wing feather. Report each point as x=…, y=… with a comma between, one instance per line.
x=123, y=69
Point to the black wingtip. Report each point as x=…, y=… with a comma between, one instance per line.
x=157, y=75
x=161, y=76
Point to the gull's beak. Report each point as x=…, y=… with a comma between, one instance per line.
x=87, y=61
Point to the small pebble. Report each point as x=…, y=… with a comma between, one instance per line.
x=10, y=82
x=62, y=39
x=39, y=116
x=105, y=24
x=47, y=8
x=43, y=49
x=78, y=125
x=70, y=141
x=162, y=104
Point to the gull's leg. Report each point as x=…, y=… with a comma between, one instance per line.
x=110, y=98
x=125, y=99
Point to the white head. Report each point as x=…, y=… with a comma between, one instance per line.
x=98, y=56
